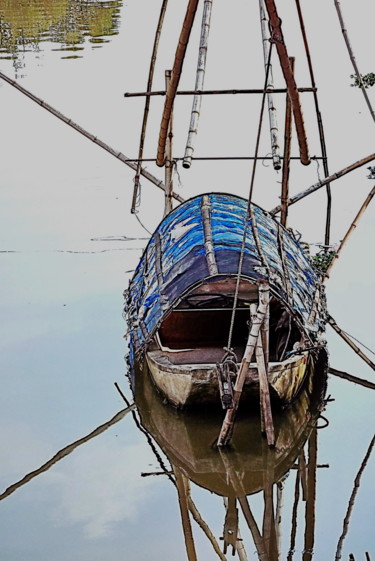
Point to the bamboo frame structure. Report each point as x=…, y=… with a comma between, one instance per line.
x=320, y=184
x=351, y=229
x=119, y=155
x=147, y=103
x=278, y=39
x=352, y=57
x=272, y=114
x=199, y=83
x=227, y=426
x=347, y=339
x=168, y=206
x=175, y=79
x=286, y=160
x=66, y=451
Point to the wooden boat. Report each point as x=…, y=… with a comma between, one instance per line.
x=200, y=273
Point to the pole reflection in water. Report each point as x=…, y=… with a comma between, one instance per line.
x=247, y=468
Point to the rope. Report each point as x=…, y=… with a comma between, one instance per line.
x=248, y=212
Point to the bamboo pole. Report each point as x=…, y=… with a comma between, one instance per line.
x=88, y=135
x=352, y=58
x=350, y=231
x=357, y=482
x=217, y=92
x=66, y=451
x=175, y=79
x=227, y=427
x=264, y=394
x=347, y=339
x=199, y=83
x=351, y=378
x=240, y=547
x=286, y=158
x=272, y=114
x=204, y=527
x=320, y=124
x=253, y=527
x=323, y=182
x=293, y=532
x=277, y=37
x=311, y=497
x=147, y=103
x=181, y=485
x=168, y=206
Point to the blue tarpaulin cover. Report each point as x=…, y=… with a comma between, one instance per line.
x=175, y=260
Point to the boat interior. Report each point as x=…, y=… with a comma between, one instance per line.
x=197, y=330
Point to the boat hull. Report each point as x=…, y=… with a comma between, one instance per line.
x=186, y=385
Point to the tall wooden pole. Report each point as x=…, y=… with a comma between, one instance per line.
x=278, y=38
x=175, y=79
x=168, y=157
x=147, y=103
x=286, y=160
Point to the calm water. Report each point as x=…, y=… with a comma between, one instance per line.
x=68, y=245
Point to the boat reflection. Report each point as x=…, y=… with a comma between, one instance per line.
x=248, y=467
